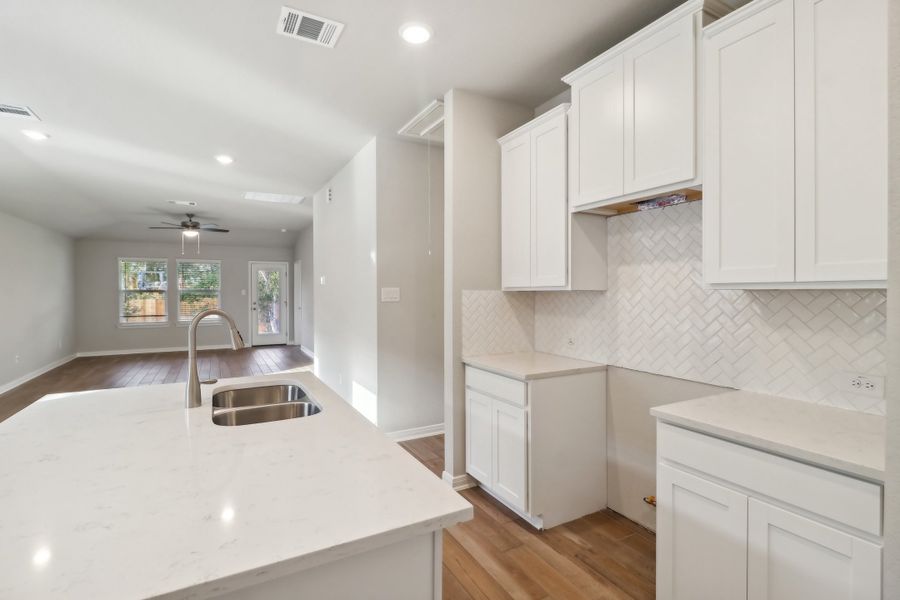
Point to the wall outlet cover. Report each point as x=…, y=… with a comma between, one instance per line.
x=390, y=294
x=862, y=384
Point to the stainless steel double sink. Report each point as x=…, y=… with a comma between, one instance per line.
x=262, y=404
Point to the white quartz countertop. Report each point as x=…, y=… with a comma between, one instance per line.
x=532, y=365
x=126, y=494
x=843, y=440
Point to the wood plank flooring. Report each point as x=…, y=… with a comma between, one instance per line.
x=498, y=556
x=101, y=372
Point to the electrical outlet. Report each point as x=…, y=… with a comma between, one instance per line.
x=864, y=385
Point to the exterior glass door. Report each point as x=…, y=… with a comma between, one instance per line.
x=269, y=314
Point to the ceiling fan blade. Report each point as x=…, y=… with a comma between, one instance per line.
x=214, y=229
x=170, y=223
x=160, y=227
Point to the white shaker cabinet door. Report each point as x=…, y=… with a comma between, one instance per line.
x=510, y=480
x=550, y=216
x=660, y=108
x=479, y=432
x=794, y=557
x=842, y=125
x=596, y=131
x=748, y=171
x=701, y=539
x=515, y=197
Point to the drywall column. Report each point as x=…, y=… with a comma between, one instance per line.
x=472, y=124
x=892, y=479
x=303, y=251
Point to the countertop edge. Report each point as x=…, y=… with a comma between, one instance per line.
x=478, y=363
x=792, y=452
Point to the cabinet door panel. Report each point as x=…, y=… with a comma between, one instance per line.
x=515, y=206
x=794, y=557
x=701, y=538
x=510, y=454
x=550, y=210
x=748, y=188
x=479, y=441
x=660, y=108
x=596, y=132
x=842, y=124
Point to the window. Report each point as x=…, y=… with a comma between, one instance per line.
x=142, y=290
x=199, y=287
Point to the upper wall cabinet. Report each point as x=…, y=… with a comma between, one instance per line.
x=542, y=246
x=633, y=126
x=795, y=145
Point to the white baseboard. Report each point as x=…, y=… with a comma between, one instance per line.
x=459, y=482
x=416, y=433
x=151, y=350
x=36, y=373
x=306, y=350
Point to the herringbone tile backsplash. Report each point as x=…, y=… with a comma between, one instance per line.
x=658, y=317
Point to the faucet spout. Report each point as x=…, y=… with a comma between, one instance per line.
x=192, y=391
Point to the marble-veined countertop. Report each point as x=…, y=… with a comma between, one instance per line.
x=126, y=494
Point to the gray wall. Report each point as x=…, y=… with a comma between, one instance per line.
x=304, y=252
x=631, y=436
x=892, y=489
x=36, y=304
x=410, y=340
x=346, y=320
x=472, y=125
x=96, y=293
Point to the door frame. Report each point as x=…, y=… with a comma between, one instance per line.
x=286, y=323
x=297, y=305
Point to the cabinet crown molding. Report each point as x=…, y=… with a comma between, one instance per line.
x=744, y=12
x=547, y=116
x=693, y=6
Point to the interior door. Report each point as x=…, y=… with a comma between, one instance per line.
x=269, y=314
x=794, y=557
x=298, y=310
x=701, y=539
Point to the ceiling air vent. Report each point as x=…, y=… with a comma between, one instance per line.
x=309, y=28
x=24, y=112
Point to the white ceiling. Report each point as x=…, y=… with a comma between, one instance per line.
x=139, y=96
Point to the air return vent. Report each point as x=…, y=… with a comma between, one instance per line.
x=309, y=28
x=10, y=110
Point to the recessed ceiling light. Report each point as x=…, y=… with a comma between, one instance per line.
x=415, y=33
x=284, y=231
x=38, y=136
x=183, y=202
x=224, y=159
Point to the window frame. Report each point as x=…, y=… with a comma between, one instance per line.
x=120, y=293
x=178, y=262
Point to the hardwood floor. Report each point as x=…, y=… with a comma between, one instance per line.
x=497, y=555
x=100, y=372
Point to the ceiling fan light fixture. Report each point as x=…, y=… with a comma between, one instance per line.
x=190, y=233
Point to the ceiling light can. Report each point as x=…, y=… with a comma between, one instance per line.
x=415, y=33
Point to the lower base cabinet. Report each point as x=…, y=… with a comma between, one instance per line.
x=721, y=537
x=538, y=446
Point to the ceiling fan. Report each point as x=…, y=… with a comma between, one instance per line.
x=190, y=229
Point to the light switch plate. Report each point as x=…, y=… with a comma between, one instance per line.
x=390, y=294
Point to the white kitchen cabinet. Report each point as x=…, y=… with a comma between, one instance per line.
x=712, y=561
x=633, y=126
x=841, y=50
x=737, y=522
x=510, y=451
x=795, y=557
x=542, y=245
x=795, y=160
x=539, y=446
x=479, y=438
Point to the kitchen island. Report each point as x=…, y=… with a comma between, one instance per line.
x=124, y=493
